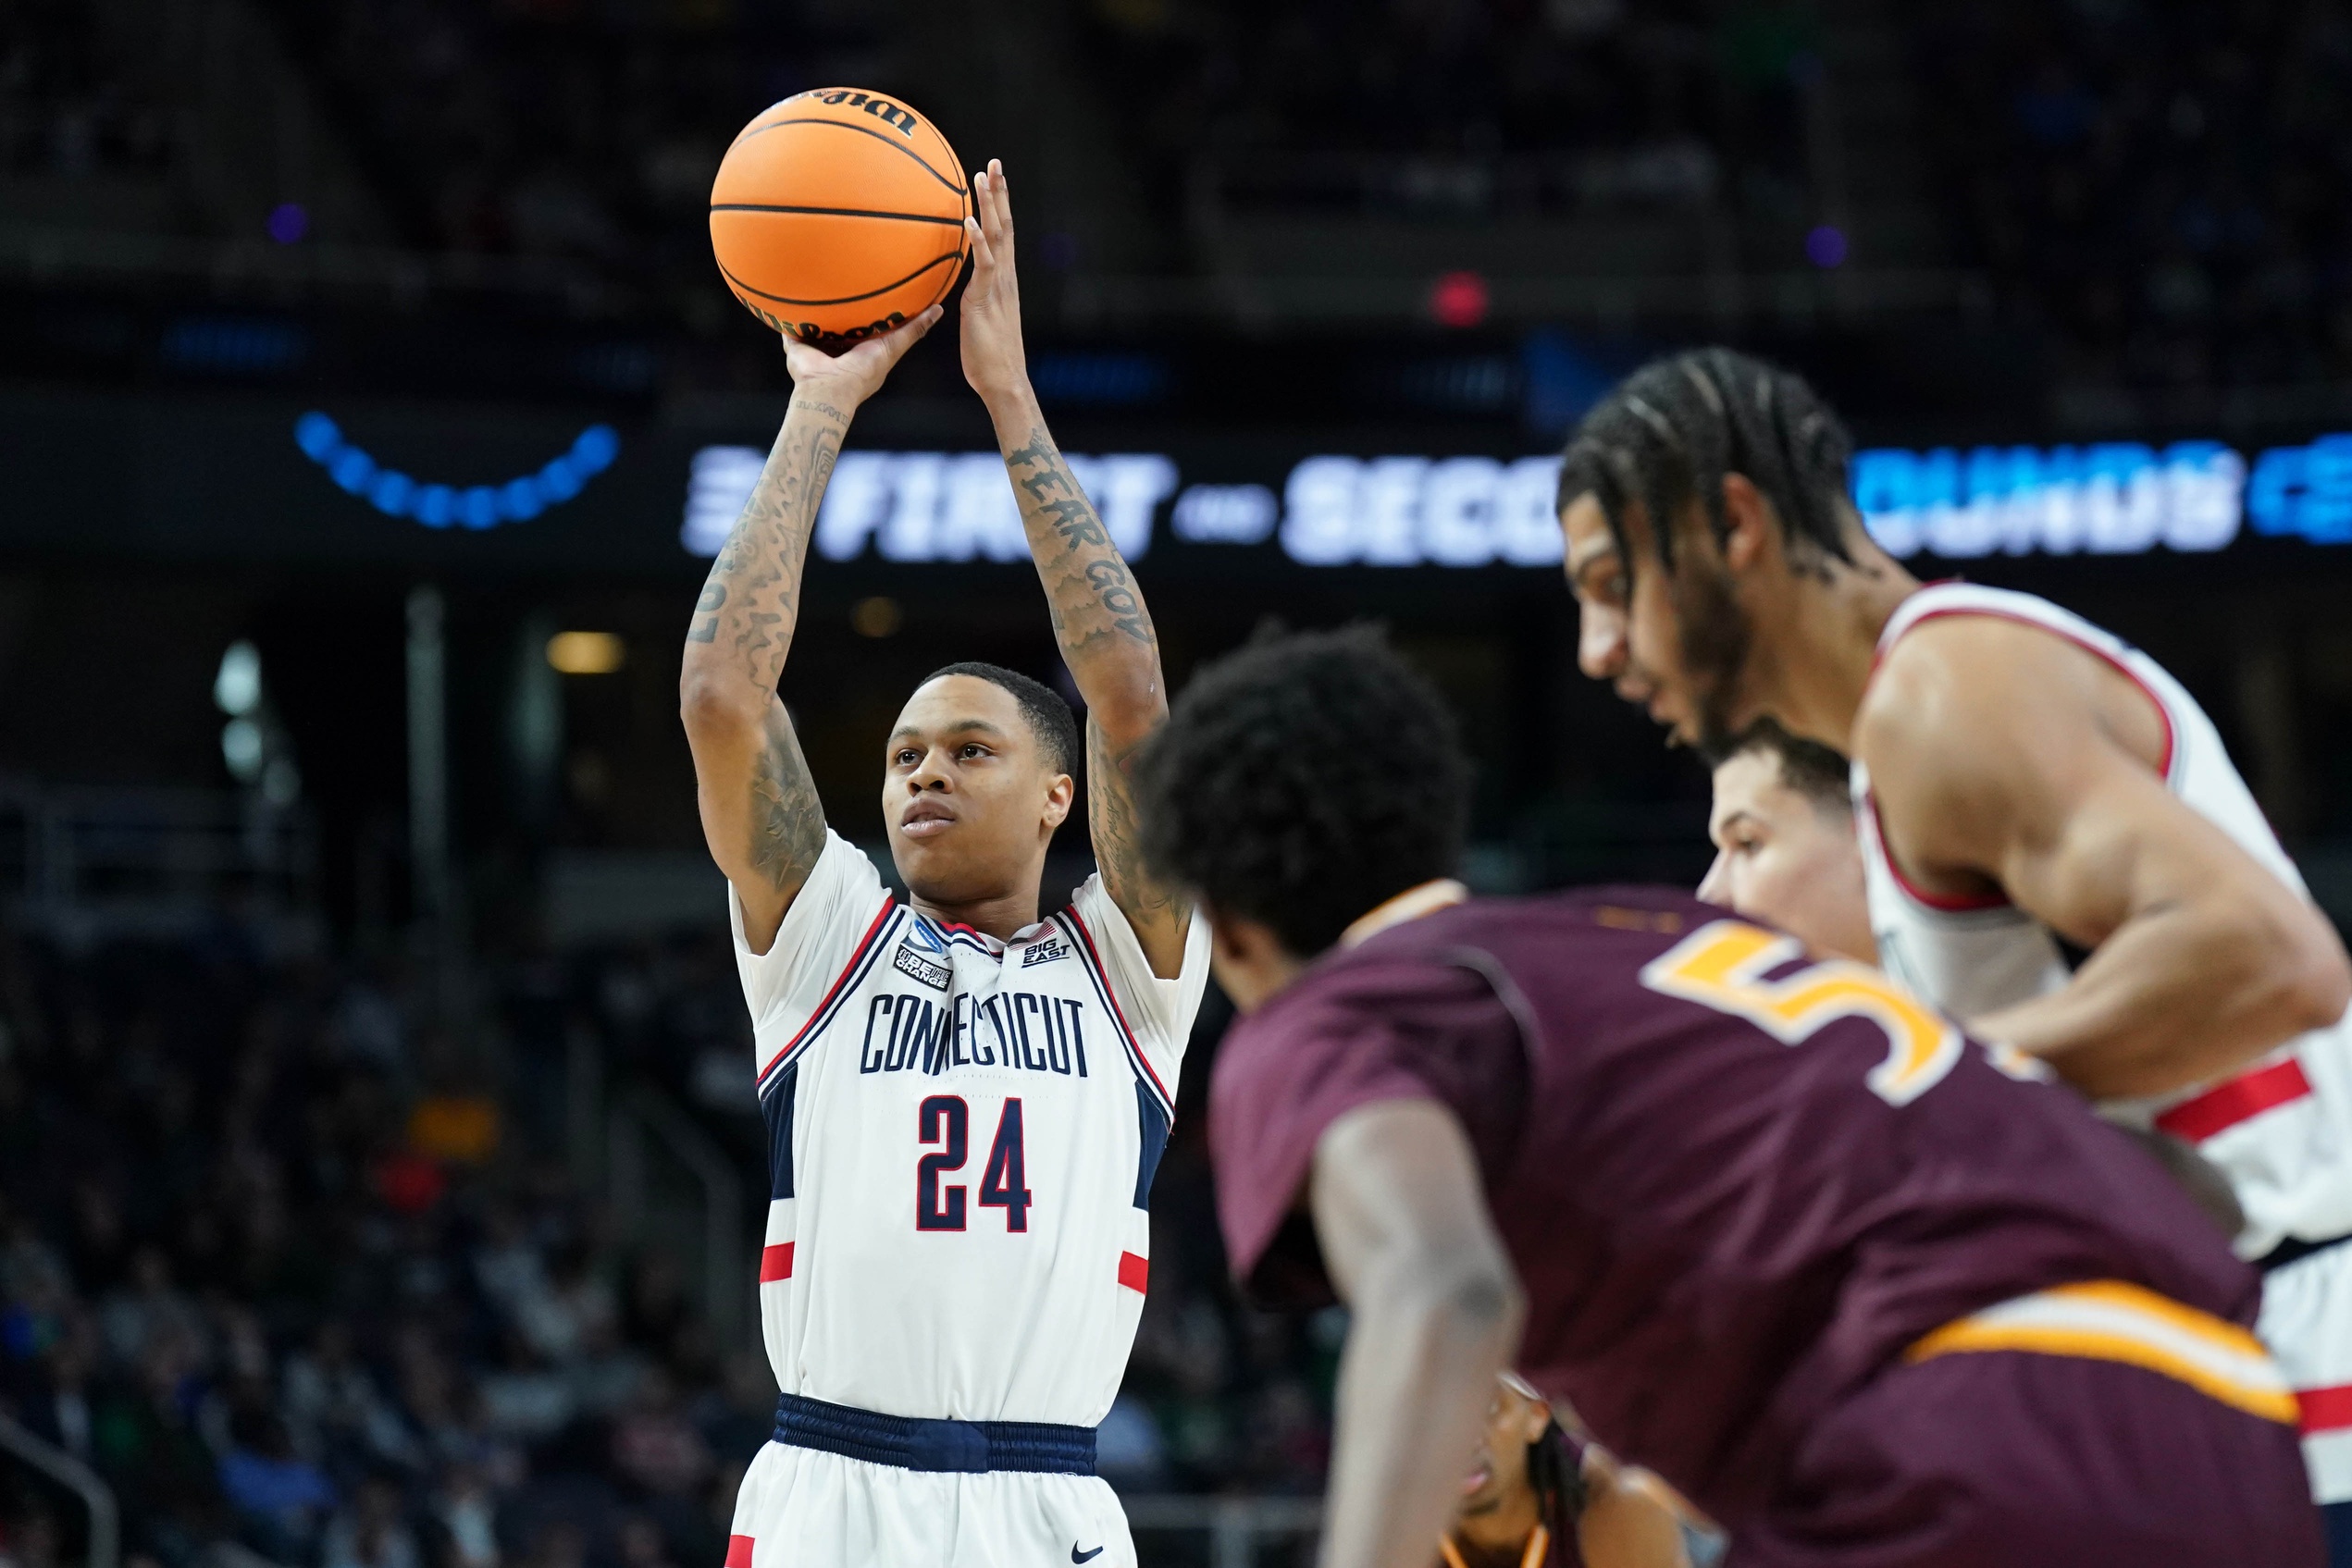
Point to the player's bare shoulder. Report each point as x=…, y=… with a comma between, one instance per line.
x=1964, y=719
x=1987, y=697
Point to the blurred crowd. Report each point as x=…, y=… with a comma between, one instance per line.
x=1475, y=103
x=2153, y=182
x=295, y=1271
x=2157, y=182
x=580, y=128
x=68, y=105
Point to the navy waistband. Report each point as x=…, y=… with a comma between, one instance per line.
x=2294, y=1250
x=913, y=1443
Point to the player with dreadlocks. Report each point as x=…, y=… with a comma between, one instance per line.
x=2026, y=784
x=1769, y=1223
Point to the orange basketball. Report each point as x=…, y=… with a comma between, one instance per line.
x=839, y=214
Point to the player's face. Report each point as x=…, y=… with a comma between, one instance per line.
x=1499, y=1470
x=1675, y=643
x=967, y=794
x=1782, y=859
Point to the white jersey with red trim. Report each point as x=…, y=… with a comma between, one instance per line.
x=2281, y=1130
x=962, y=1134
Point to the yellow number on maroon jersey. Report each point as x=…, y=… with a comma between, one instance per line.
x=1721, y=965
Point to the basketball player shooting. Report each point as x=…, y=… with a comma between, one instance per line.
x=2029, y=791
x=1772, y=1225
x=965, y=1102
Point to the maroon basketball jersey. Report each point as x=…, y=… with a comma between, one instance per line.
x=1735, y=1180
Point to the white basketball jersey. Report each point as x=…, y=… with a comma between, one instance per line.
x=2282, y=1129
x=961, y=1135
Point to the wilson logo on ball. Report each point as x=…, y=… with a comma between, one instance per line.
x=839, y=214
x=883, y=109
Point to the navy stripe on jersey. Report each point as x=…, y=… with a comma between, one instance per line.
x=776, y=1107
x=1092, y=962
x=1153, y=1123
x=869, y=948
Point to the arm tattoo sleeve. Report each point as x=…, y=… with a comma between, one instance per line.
x=752, y=601
x=787, y=821
x=1107, y=640
x=742, y=628
x=1110, y=813
x=1097, y=610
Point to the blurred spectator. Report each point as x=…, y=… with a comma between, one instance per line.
x=467, y=1512
x=147, y=1308
x=654, y=1445
x=371, y=1532
x=280, y=1499
x=30, y=1539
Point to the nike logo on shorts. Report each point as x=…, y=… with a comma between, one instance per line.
x=1078, y=1556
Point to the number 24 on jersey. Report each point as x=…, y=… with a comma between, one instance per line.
x=944, y=1123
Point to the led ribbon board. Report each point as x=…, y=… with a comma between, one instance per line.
x=2113, y=498
x=395, y=494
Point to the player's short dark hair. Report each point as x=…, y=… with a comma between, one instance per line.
x=1818, y=772
x=1670, y=432
x=1049, y=717
x=1303, y=781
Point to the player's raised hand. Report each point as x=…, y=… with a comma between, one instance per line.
x=857, y=373
x=995, y=362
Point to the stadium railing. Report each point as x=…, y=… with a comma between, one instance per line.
x=75, y=1476
x=641, y=1119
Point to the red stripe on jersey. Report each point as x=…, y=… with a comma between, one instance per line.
x=738, y=1551
x=2163, y=714
x=2326, y=1410
x=840, y=979
x=1134, y=1272
x=776, y=1262
x=1949, y=902
x=2241, y=1099
x=1110, y=994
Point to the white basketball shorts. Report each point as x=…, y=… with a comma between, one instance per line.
x=2306, y=1323
x=802, y=1507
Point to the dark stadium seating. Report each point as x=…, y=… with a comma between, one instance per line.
x=293, y=1269
x=2158, y=184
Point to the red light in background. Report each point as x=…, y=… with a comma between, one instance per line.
x=1459, y=299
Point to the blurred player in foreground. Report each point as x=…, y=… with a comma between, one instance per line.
x=1783, y=826
x=1538, y=1496
x=1775, y=1229
x=2026, y=784
x=965, y=1102
x=1786, y=854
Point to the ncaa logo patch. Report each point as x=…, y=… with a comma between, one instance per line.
x=1044, y=952
x=906, y=961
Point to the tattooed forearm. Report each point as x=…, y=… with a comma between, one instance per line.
x=1093, y=596
x=759, y=809
x=750, y=603
x=1107, y=640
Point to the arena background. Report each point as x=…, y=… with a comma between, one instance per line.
x=376, y=1146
